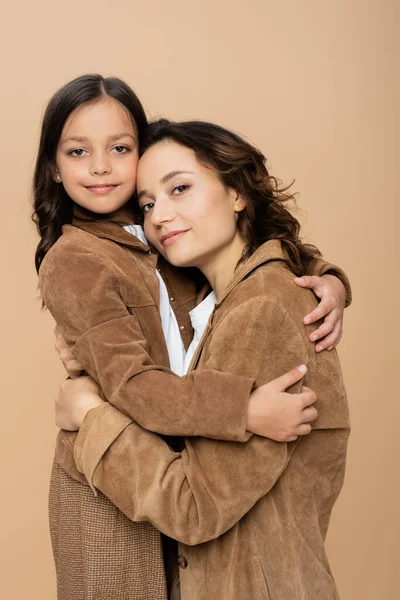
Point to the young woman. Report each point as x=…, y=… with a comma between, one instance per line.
x=98, y=277
x=251, y=517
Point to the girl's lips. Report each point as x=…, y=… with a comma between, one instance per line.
x=170, y=238
x=101, y=189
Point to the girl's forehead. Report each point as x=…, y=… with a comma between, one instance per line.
x=106, y=115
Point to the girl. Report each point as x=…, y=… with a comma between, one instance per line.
x=100, y=280
x=251, y=517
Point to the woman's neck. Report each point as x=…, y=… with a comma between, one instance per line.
x=220, y=268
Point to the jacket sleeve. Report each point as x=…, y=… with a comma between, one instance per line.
x=201, y=492
x=320, y=267
x=82, y=291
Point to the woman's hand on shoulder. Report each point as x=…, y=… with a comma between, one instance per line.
x=75, y=398
x=278, y=415
x=332, y=293
x=71, y=364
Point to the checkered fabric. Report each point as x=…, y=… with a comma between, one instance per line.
x=99, y=553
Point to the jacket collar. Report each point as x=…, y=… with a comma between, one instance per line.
x=110, y=230
x=269, y=252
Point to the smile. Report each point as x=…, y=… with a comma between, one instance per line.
x=173, y=236
x=101, y=189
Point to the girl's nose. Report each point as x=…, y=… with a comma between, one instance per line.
x=100, y=164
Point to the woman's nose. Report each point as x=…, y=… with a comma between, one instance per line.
x=163, y=212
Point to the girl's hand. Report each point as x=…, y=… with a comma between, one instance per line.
x=275, y=414
x=75, y=398
x=333, y=297
x=71, y=364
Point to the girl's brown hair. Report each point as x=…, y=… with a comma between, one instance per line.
x=52, y=207
x=242, y=167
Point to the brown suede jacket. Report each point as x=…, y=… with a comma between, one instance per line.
x=99, y=283
x=251, y=517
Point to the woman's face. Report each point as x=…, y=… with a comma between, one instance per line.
x=97, y=156
x=189, y=216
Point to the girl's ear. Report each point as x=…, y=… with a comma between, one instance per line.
x=55, y=174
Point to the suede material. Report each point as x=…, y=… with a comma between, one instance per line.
x=251, y=517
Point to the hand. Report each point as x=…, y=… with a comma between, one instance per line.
x=71, y=364
x=75, y=398
x=333, y=297
x=278, y=415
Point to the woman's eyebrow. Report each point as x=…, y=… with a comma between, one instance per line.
x=111, y=138
x=164, y=179
x=169, y=176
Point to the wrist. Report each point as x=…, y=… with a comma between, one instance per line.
x=85, y=404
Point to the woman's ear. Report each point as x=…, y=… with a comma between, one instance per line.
x=240, y=203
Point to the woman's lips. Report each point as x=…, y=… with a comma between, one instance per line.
x=101, y=189
x=170, y=238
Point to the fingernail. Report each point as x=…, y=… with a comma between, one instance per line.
x=313, y=338
x=299, y=279
x=306, y=320
x=319, y=348
x=330, y=348
x=302, y=369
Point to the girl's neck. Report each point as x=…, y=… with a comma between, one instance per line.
x=123, y=215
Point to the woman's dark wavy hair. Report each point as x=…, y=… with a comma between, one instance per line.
x=53, y=208
x=241, y=167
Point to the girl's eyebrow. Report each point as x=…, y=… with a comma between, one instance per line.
x=111, y=138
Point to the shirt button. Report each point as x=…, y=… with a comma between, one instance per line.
x=182, y=327
x=159, y=270
x=172, y=299
x=182, y=562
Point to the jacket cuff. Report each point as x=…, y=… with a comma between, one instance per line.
x=100, y=428
x=321, y=267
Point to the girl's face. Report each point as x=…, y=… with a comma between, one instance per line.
x=97, y=156
x=189, y=216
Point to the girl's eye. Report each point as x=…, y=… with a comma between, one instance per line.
x=121, y=149
x=76, y=152
x=146, y=207
x=179, y=189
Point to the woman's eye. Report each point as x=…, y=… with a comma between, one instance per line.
x=179, y=189
x=121, y=149
x=76, y=152
x=146, y=207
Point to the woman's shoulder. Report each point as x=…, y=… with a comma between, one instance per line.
x=272, y=282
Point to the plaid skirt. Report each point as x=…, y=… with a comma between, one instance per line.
x=99, y=553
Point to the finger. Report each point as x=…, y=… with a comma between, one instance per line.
x=290, y=378
x=307, y=397
x=304, y=429
x=326, y=328
x=323, y=309
x=331, y=340
x=292, y=438
x=311, y=282
x=309, y=414
x=338, y=342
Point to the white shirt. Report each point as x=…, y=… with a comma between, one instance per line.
x=179, y=359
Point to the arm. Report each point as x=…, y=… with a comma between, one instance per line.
x=331, y=285
x=110, y=345
x=193, y=495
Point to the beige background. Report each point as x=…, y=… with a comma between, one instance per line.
x=315, y=84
